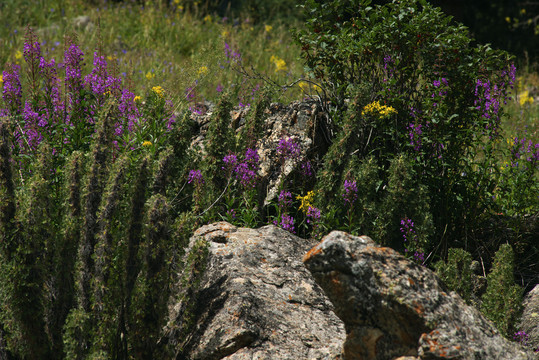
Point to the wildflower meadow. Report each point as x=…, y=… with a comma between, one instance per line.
x=433, y=150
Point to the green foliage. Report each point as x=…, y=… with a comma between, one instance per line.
x=419, y=88
x=404, y=197
x=413, y=123
x=456, y=273
x=502, y=302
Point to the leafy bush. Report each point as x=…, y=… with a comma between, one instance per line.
x=502, y=302
x=417, y=86
x=456, y=273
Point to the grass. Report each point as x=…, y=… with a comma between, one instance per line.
x=159, y=45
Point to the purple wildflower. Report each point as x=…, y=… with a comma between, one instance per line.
x=230, y=160
x=521, y=337
x=350, y=192
x=306, y=169
x=252, y=158
x=73, y=59
x=195, y=176
x=231, y=214
x=313, y=215
x=288, y=148
x=245, y=174
x=99, y=80
x=12, y=92
x=287, y=223
x=411, y=240
x=285, y=199
x=415, y=132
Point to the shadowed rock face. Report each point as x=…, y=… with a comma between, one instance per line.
x=395, y=308
x=256, y=300
x=529, y=322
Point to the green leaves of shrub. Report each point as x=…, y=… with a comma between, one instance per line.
x=456, y=273
x=502, y=302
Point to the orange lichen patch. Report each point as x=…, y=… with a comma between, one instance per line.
x=313, y=252
x=263, y=260
x=418, y=308
x=411, y=281
x=385, y=251
x=336, y=284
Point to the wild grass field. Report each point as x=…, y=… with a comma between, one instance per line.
x=435, y=146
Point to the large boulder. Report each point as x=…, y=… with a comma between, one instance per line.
x=393, y=307
x=254, y=300
x=529, y=322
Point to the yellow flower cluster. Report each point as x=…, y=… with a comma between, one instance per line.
x=375, y=108
x=268, y=28
x=203, y=70
x=280, y=64
x=208, y=18
x=137, y=98
x=306, y=201
x=159, y=91
x=306, y=87
x=1, y=79
x=525, y=98
x=150, y=75
x=147, y=143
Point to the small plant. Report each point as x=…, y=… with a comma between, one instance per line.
x=502, y=301
x=456, y=273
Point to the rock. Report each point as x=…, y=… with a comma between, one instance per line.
x=300, y=120
x=83, y=23
x=255, y=300
x=392, y=307
x=529, y=323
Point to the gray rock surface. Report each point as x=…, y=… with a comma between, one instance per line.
x=256, y=300
x=529, y=322
x=300, y=120
x=395, y=308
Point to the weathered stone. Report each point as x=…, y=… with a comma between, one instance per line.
x=393, y=307
x=529, y=323
x=300, y=120
x=256, y=300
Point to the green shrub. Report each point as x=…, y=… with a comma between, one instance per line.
x=456, y=273
x=502, y=302
x=417, y=87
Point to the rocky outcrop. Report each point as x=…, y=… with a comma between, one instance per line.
x=304, y=121
x=255, y=300
x=529, y=322
x=393, y=308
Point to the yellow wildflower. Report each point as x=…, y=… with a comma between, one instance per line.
x=203, y=70
x=18, y=56
x=525, y=98
x=508, y=19
x=280, y=64
x=306, y=201
x=159, y=91
x=150, y=75
x=207, y=18
x=1, y=79
x=307, y=87
x=375, y=108
x=225, y=33
x=177, y=2
x=147, y=143
x=137, y=98
x=268, y=28
x=523, y=11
